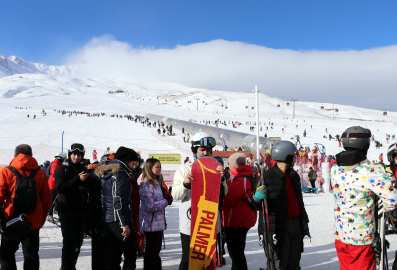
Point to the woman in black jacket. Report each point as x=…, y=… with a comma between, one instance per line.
x=116, y=205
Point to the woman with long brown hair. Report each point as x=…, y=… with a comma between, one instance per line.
x=154, y=199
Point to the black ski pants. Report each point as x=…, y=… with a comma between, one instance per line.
x=288, y=255
x=73, y=227
x=152, y=260
x=185, y=239
x=313, y=183
x=119, y=245
x=235, y=240
x=30, y=249
x=54, y=194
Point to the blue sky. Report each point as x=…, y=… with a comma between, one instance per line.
x=301, y=49
x=46, y=31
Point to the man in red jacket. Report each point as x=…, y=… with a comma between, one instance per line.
x=59, y=159
x=24, y=163
x=238, y=217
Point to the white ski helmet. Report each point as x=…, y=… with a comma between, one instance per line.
x=60, y=156
x=202, y=139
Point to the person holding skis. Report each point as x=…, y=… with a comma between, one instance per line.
x=392, y=158
x=286, y=216
x=202, y=144
x=357, y=186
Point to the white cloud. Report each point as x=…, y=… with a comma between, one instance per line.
x=363, y=78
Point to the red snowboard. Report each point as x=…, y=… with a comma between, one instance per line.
x=205, y=199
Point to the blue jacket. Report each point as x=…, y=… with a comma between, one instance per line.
x=47, y=170
x=116, y=191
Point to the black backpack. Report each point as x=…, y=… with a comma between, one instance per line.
x=254, y=183
x=25, y=192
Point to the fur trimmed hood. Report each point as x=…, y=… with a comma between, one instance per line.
x=102, y=169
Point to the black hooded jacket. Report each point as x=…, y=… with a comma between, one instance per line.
x=277, y=201
x=72, y=192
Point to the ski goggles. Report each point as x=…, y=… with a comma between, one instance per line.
x=205, y=142
x=77, y=147
x=356, y=135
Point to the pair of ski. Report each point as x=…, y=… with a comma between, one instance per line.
x=268, y=242
x=380, y=244
x=54, y=220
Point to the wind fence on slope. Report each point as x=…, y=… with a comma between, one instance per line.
x=43, y=152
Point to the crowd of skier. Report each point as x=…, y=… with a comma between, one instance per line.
x=120, y=203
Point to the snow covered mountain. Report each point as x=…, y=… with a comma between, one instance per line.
x=14, y=65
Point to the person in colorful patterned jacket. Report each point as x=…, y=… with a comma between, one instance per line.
x=355, y=182
x=392, y=174
x=154, y=199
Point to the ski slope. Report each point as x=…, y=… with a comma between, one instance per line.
x=33, y=89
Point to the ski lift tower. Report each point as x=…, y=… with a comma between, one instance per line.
x=197, y=102
x=293, y=104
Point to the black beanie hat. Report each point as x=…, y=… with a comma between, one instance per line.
x=125, y=154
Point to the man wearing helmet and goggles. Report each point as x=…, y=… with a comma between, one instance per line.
x=357, y=185
x=71, y=182
x=202, y=144
x=288, y=220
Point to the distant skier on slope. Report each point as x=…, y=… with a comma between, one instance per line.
x=352, y=179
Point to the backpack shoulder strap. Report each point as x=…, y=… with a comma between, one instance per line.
x=15, y=171
x=33, y=173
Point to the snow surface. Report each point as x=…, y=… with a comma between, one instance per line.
x=55, y=88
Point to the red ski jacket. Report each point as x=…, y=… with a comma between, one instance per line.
x=54, y=166
x=236, y=210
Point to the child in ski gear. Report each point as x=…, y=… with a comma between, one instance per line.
x=288, y=220
x=25, y=164
x=355, y=182
x=202, y=144
x=152, y=212
x=312, y=175
x=238, y=217
x=117, y=214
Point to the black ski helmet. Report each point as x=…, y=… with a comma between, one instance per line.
x=47, y=163
x=219, y=159
x=76, y=148
x=356, y=138
x=391, y=153
x=283, y=151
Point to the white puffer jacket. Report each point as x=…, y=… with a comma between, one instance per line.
x=180, y=193
x=354, y=188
